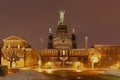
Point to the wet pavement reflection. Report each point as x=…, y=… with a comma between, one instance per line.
x=75, y=75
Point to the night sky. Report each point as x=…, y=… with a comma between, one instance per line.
x=30, y=20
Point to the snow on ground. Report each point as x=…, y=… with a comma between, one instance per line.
x=28, y=75
x=112, y=71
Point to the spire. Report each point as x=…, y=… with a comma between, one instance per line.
x=62, y=12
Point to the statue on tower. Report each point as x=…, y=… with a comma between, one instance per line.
x=62, y=12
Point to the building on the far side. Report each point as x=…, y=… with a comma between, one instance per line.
x=16, y=52
x=110, y=54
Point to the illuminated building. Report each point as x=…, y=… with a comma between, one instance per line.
x=16, y=52
x=62, y=51
x=62, y=48
x=110, y=54
x=61, y=39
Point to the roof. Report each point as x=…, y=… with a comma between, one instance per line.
x=106, y=45
x=13, y=37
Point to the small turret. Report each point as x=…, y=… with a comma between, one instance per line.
x=73, y=38
x=41, y=43
x=50, y=39
x=86, y=42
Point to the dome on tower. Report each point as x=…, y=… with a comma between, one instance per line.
x=62, y=40
x=62, y=28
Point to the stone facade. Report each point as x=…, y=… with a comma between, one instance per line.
x=16, y=52
x=62, y=50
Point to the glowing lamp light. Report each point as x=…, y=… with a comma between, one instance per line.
x=49, y=63
x=39, y=70
x=77, y=64
x=49, y=71
x=78, y=70
x=39, y=63
x=95, y=59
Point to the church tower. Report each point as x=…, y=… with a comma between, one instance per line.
x=50, y=39
x=73, y=38
x=62, y=40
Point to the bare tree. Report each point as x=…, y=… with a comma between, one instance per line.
x=13, y=54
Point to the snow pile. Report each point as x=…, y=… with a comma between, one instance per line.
x=27, y=75
x=111, y=71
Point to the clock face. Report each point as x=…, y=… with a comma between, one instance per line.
x=63, y=41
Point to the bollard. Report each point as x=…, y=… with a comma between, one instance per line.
x=3, y=70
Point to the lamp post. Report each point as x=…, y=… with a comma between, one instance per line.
x=49, y=64
x=94, y=59
x=77, y=65
x=39, y=63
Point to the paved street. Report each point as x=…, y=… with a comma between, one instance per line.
x=71, y=74
x=74, y=75
x=84, y=75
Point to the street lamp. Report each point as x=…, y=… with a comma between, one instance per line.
x=39, y=63
x=49, y=64
x=77, y=64
x=39, y=66
x=94, y=59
